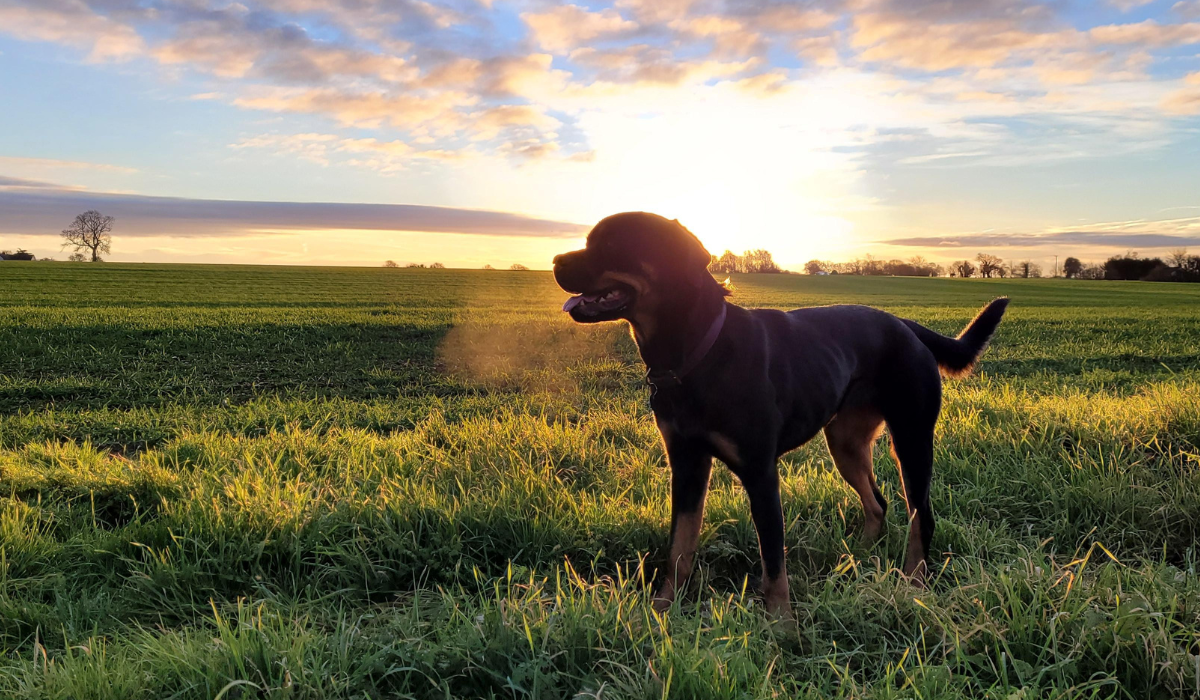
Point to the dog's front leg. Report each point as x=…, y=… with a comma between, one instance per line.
x=761, y=481
x=690, y=470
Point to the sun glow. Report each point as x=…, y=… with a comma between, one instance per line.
x=741, y=169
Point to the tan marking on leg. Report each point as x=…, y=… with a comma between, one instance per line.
x=915, y=566
x=850, y=438
x=683, y=552
x=776, y=598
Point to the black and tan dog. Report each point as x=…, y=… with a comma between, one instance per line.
x=748, y=385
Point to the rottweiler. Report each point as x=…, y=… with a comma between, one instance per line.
x=748, y=385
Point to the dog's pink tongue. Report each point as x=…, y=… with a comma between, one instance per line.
x=573, y=302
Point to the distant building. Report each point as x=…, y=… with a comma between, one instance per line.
x=19, y=255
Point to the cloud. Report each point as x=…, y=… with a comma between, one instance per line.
x=566, y=27
x=657, y=11
x=56, y=164
x=914, y=43
x=496, y=120
x=1187, y=100
x=326, y=149
x=748, y=32
x=73, y=23
x=43, y=210
x=369, y=109
x=18, y=182
x=1188, y=9
x=1147, y=34
x=1127, y=5
x=644, y=64
x=932, y=37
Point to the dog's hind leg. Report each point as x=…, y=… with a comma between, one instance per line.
x=850, y=438
x=690, y=471
x=912, y=446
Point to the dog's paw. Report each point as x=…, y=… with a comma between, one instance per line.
x=663, y=599
x=916, y=577
x=785, y=623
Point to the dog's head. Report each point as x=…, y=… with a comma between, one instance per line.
x=635, y=266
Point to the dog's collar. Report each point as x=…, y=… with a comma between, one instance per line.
x=674, y=377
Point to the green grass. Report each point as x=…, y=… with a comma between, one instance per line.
x=354, y=483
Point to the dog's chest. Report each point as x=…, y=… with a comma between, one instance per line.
x=691, y=428
x=686, y=417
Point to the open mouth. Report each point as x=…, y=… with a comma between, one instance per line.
x=607, y=301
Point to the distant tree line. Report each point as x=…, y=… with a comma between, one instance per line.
x=867, y=265
x=983, y=265
x=21, y=254
x=1178, y=267
x=992, y=266
x=432, y=266
x=440, y=266
x=751, y=261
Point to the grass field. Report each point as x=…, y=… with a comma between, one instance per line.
x=351, y=483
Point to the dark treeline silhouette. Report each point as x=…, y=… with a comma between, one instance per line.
x=422, y=266
x=1130, y=267
x=1178, y=267
x=867, y=265
x=991, y=266
x=21, y=254
x=751, y=261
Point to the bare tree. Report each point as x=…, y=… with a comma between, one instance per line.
x=728, y=262
x=89, y=231
x=1027, y=269
x=758, y=260
x=488, y=267
x=989, y=264
x=814, y=267
x=390, y=263
x=963, y=268
x=517, y=266
x=1178, y=257
x=436, y=266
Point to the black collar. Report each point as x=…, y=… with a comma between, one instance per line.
x=674, y=377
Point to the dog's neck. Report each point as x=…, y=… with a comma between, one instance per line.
x=666, y=343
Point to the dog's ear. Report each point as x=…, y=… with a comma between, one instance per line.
x=698, y=257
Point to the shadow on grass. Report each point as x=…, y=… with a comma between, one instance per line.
x=106, y=366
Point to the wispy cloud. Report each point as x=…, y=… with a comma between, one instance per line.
x=23, y=183
x=32, y=208
x=56, y=164
x=1171, y=233
x=74, y=23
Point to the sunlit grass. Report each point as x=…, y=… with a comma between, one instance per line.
x=365, y=483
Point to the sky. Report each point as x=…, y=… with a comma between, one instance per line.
x=473, y=132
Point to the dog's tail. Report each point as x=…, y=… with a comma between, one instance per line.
x=956, y=357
